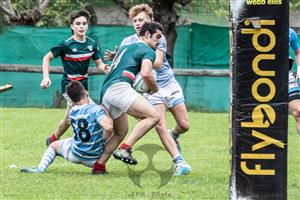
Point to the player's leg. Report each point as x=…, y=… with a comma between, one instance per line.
x=177, y=107
x=173, y=94
x=141, y=109
x=294, y=108
x=148, y=116
x=120, y=130
x=180, y=115
x=55, y=148
x=123, y=97
x=294, y=99
x=180, y=166
x=63, y=124
x=161, y=129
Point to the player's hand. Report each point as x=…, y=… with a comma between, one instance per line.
x=109, y=55
x=106, y=68
x=45, y=83
x=154, y=90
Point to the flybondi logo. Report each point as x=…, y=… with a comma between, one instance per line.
x=150, y=150
x=263, y=114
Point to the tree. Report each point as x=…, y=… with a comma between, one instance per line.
x=44, y=12
x=24, y=17
x=164, y=13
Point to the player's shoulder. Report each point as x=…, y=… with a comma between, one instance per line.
x=68, y=41
x=95, y=108
x=65, y=42
x=143, y=47
x=145, y=51
x=90, y=40
x=129, y=40
x=74, y=110
x=163, y=39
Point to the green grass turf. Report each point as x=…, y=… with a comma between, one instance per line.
x=205, y=147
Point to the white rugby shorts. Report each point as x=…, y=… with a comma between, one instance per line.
x=68, y=155
x=170, y=95
x=118, y=98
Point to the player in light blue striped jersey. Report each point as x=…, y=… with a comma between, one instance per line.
x=91, y=127
x=294, y=90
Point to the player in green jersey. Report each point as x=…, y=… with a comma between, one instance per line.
x=119, y=97
x=76, y=53
x=169, y=97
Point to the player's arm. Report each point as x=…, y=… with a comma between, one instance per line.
x=160, y=52
x=107, y=124
x=46, y=82
x=159, y=59
x=146, y=73
x=102, y=66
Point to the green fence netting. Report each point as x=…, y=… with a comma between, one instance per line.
x=197, y=46
x=209, y=47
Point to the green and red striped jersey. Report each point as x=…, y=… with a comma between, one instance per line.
x=75, y=56
x=127, y=63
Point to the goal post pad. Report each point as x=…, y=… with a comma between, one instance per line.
x=259, y=99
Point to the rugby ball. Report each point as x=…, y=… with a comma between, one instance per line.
x=139, y=84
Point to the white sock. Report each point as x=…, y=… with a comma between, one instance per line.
x=47, y=159
x=178, y=159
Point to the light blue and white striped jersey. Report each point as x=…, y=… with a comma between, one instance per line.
x=165, y=73
x=88, y=142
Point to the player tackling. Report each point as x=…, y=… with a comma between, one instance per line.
x=91, y=127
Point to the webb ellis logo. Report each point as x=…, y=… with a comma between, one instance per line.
x=150, y=150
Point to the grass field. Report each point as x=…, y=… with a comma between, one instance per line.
x=205, y=147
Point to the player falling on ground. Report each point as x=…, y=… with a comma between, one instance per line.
x=169, y=96
x=76, y=53
x=91, y=127
x=294, y=90
x=118, y=95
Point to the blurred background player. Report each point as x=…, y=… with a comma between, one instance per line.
x=119, y=97
x=294, y=90
x=76, y=53
x=91, y=127
x=169, y=96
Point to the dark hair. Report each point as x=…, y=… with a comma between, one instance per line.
x=81, y=13
x=151, y=27
x=75, y=91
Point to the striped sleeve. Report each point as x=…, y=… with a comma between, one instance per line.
x=99, y=113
